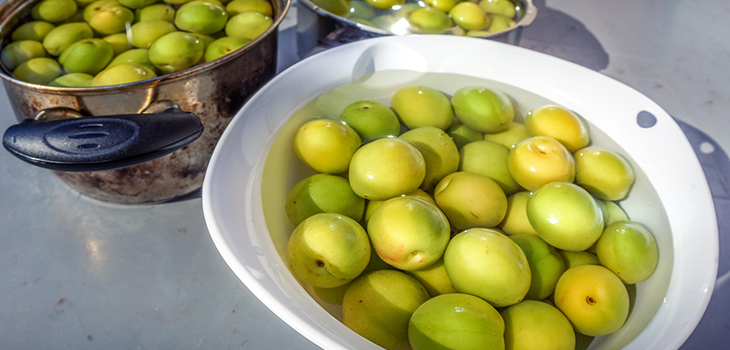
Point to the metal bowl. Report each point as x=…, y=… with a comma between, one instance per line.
x=213, y=91
x=319, y=29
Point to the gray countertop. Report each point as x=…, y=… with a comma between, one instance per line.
x=76, y=273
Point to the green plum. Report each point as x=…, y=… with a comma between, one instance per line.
x=108, y=16
x=223, y=46
x=371, y=119
x=565, y=215
x=628, y=249
x=515, y=222
x=442, y=5
x=593, y=298
x=38, y=70
x=376, y=263
x=536, y=325
x=538, y=160
x=434, y=278
x=123, y=74
x=323, y=193
x=337, y=7
x=78, y=16
x=419, y=106
x=482, y=109
x=403, y=11
x=408, y=232
x=164, y=12
x=578, y=258
x=372, y=205
x=137, y=4
x=362, y=21
x=385, y=4
x=201, y=17
x=479, y=32
x=462, y=134
x=489, y=159
x=456, y=321
x=438, y=150
x=53, y=11
x=142, y=34
x=238, y=6
x=119, y=42
x=428, y=20
x=546, y=265
x=469, y=16
x=486, y=263
x=176, y=51
x=387, y=22
x=59, y=38
x=72, y=80
x=334, y=295
x=33, y=30
x=500, y=7
x=327, y=250
x=138, y=56
x=500, y=23
x=379, y=305
x=559, y=123
x=604, y=173
x=514, y=133
x=248, y=25
x=360, y=10
x=208, y=39
x=471, y=200
x=18, y=52
x=88, y=56
x=326, y=145
x=385, y=168
x=612, y=212
x=83, y=3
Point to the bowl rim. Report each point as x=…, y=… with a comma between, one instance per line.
x=708, y=260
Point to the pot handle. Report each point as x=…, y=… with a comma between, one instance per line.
x=103, y=142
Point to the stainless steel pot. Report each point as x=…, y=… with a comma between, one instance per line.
x=319, y=29
x=213, y=92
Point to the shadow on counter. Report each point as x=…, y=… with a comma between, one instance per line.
x=558, y=34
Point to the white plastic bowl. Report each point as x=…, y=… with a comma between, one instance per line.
x=671, y=195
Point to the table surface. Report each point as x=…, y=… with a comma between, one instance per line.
x=80, y=274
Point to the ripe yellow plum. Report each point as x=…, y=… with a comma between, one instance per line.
x=593, y=298
x=486, y=263
x=386, y=168
x=539, y=160
x=559, y=123
x=328, y=250
x=409, y=233
x=326, y=145
x=471, y=200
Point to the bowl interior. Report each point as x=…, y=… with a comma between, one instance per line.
x=254, y=167
x=282, y=170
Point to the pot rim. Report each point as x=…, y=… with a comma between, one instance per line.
x=527, y=18
x=13, y=8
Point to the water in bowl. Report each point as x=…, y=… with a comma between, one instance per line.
x=282, y=170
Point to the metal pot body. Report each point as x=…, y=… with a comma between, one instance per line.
x=213, y=91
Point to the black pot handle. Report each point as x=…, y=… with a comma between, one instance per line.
x=101, y=143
